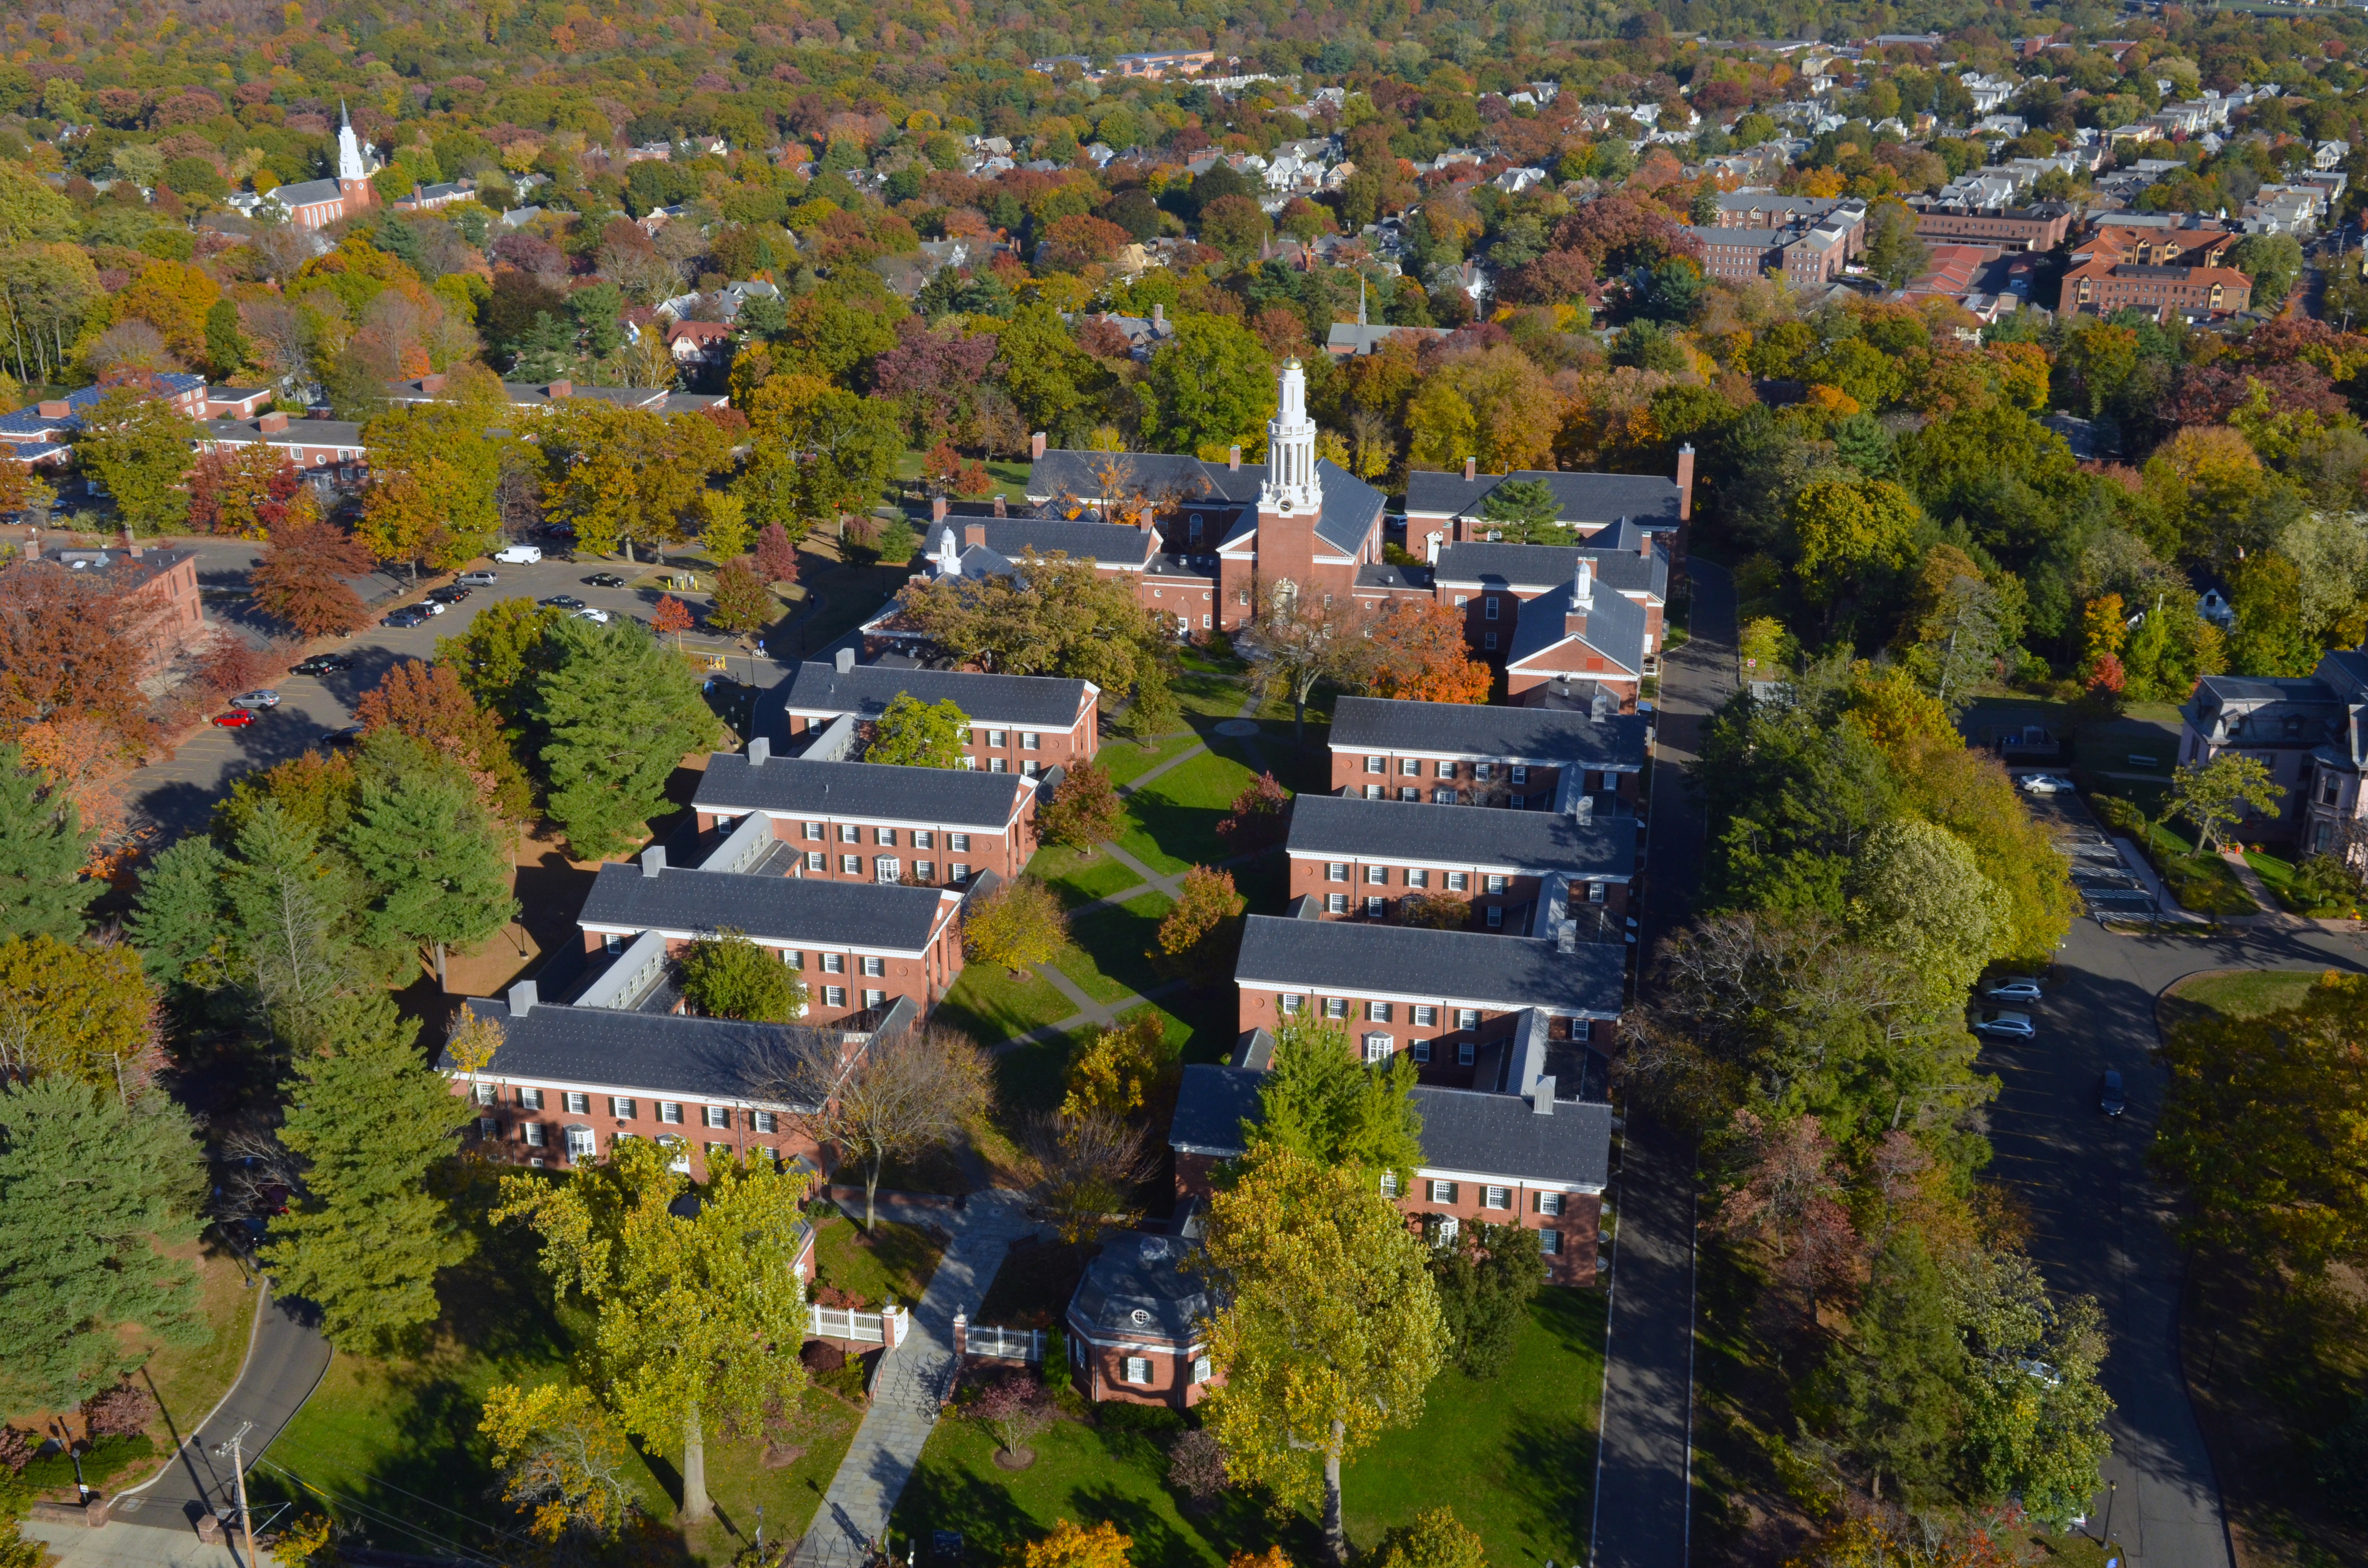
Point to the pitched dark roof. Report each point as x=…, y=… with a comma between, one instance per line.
x=1466, y=1130
x=1112, y=543
x=1593, y=499
x=1350, y=827
x=1211, y=1105
x=776, y=909
x=1350, y=503
x=1618, y=566
x=652, y=1053
x=1136, y=1273
x=1615, y=627
x=30, y=421
x=1543, y=737
x=1473, y=967
x=1043, y=702
x=954, y=796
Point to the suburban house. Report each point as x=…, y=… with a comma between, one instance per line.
x=330, y=448
x=1134, y=1325
x=1361, y=859
x=1443, y=508
x=1530, y=1143
x=1449, y=999
x=2310, y=732
x=857, y=946
x=1025, y=724
x=871, y=822
x=1488, y=755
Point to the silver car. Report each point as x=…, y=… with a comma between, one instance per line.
x=255, y=700
x=2012, y=1026
x=2046, y=784
x=2014, y=988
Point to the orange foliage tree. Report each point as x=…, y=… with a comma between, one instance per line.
x=1420, y=655
x=300, y=579
x=428, y=703
x=245, y=492
x=81, y=755
x=60, y=651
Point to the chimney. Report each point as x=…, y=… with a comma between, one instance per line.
x=1158, y=317
x=1471, y=470
x=653, y=860
x=760, y=751
x=1542, y=1095
x=559, y=390
x=937, y=509
x=434, y=383
x=522, y=998
x=1685, y=482
x=1234, y=459
x=1000, y=509
x=844, y=661
x=974, y=533
x=271, y=424
x=1036, y=446
x=1430, y=548
x=1582, y=597
x=1645, y=544
x=56, y=408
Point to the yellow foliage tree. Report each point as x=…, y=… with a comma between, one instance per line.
x=1076, y=1546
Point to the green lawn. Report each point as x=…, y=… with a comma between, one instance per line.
x=1177, y=813
x=1033, y=1077
x=2244, y=992
x=1126, y=761
x=1514, y=1457
x=991, y=1004
x=1107, y=953
x=1081, y=879
x=2279, y=874
x=2204, y=883
x=894, y=1263
x=1210, y=693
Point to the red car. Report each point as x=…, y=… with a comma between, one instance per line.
x=236, y=719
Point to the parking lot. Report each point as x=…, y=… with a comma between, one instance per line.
x=2108, y=885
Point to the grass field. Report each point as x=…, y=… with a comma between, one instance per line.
x=1105, y=956
x=2241, y=993
x=992, y=1004
x=1177, y=813
x=892, y=1263
x=188, y=1380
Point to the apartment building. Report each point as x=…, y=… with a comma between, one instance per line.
x=2169, y=268
x=1768, y=209
x=1803, y=257
x=1024, y=724
x=1574, y=639
x=1360, y=859
x=1486, y=754
x=1444, y=508
x=2036, y=228
x=869, y=823
x=154, y=594
x=858, y=947
x=1450, y=1000
x=1489, y=581
x=1179, y=584
x=330, y=448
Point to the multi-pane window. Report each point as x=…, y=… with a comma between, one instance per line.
x=716, y=1116
x=581, y=1144
x=529, y=1099
x=1029, y=740
x=1495, y=1198
x=1549, y=1202
x=1291, y=1002
x=849, y=833
x=533, y=1132
x=1549, y=1242
x=1379, y=876
x=959, y=870
x=926, y=869
x=957, y=842
x=1376, y=764
x=1373, y=791
x=1422, y=1051
x=1595, y=893
x=1521, y=774
x=1138, y=1369
x=1464, y=1053
x=1376, y=907
x=760, y=1121
x=816, y=860
x=1443, y=1192
x=1336, y=870
x=997, y=737
x=875, y=998
x=924, y=839
x=887, y=868
x=875, y=966
x=1458, y=881
x=1447, y=770
x=1377, y=1012
x=1417, y=879
x=1411, y=766
x=1468, y=1017
x=793, y=958
x=1442, y=796
x=670, y=1113
x=834, y=963
x=1336, y=904
x=1425, y=1015
x=1490, y=613
x=1496, y=917
x=1484, y=771
x=885, y=836
x=1498, y=883
x=486, y=1094
x=852, y=864
x=1336, y=1006
x=1389, y=1184
x=487, y=1126
x=814, y=832
x=1377, y=1048
x=833, y=995
x=578, y=1104
x=1200, y=1369
x=621, y=1106
x=1488, y=642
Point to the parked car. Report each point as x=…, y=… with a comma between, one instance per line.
x=236, y=719
x=255, y=700
x=351, y=735
x=2108, y=1093
x=450, y=596
x=409, y=615
x=598, y=616
x=434, y=606
x=2013, y=988
x=479, y=579
x=2046, y=784
x=604, y=580
x=2011, y=1025
x=518, y=554
x=322, y=665
x=562, y=601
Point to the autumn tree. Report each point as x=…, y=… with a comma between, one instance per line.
x=818, y=451
x=776, y=554
x=241, y=492
x=741, y=604
x=2217, y=795
x=137, y=445
x=558, y=1455
x=1324, y=1104
x=1418, y=655
x=1848, y=533
x=1197, y=936
x=1120, y=1067
x=428, y=703
x=1085, y=807
x=698, y=1309
x=910, y=732
x=1052, y=615
x=1261, y=816
x=1019, y=926
x=1330, y=1332
x=77, y=1010
x=1303, y=637
x=1786, y=1192
x=61, y=650
x=620, y=475
x=1014, y=1407
x=725, y=976
x=437, y=461
x=1087, y=1168
x=301, y=577
x=671, y=619
x=1072, y=1546
x=902, y=1096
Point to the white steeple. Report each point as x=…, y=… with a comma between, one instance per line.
x=1290, y=482
x=350, y=147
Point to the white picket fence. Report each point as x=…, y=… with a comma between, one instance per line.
x=859, y=1328
x=1005, y=1343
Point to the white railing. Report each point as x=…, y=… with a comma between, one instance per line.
x=871, y=1326
x=1006, y=1344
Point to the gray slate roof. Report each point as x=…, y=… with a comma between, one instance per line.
x=654, y=1054
x=1351, y=826
x=1350, y=503
x=1111, y=542
x=1462, y=1130
x=954, y=797
x=778, y=909
x=1615, y=627
x=1038, y=702
x=30, y=421
x=1533, y=566
x=1138, y=1273
x=1543, y=737
x=1592, y=499
x=1471, y=967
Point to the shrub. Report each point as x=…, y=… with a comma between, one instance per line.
x=119, y=1412
x=16, y=1449
x=1196, y=1466
x=1014, y=1408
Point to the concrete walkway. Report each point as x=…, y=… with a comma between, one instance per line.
x=912, y=1379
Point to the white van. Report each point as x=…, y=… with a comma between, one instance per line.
x=518, y=554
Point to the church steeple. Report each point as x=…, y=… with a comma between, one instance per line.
x=349, y=149
x=1290, y=482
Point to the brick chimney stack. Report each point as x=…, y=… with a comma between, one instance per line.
x=1471, y=470
x=1685, y=482
x=974, y=534
x=937, y=509
x=1036, y=446
x=1234, y=459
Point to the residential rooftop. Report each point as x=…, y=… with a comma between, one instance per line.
x=1592, y=500
x=1043, y=702
x=884, y=918
x=1350, y=827
x=1476, y=968
x=790, y=785
x=1537, y=737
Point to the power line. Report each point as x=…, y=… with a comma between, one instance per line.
x=379, y=1516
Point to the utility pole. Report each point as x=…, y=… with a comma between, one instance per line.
x=245, y=1519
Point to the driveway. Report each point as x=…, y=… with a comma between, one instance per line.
x=178, y=794
x=2099, y=1225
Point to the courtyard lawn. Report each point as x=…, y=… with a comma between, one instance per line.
x=2278, y=875
x=892, y=1263
x=2204, y=883
x=1126, y=761
x=1031, y=1078
x=1177, y=813
x=990, y=1003
x=1107, y=955
x=1078, y=877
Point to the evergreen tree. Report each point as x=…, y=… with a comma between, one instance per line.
x=1895, y=1381
x=728, y=976
x=618, y=712
x=291, y=908
x=364, y=1238
x=41, y=853
x=89, y=1183
x=177, y=921
x=441, y=872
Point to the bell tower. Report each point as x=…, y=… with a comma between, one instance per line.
x=353, y=179
x=1290, y=483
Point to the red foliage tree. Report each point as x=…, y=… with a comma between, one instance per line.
x=233, y=664
x=1788, y=1194
x=1261, y=812
x=777, y=557
x=123, y=1411
x=301, y=577
x=1420, y=655
x=428, y=703
x=61, y=653
x=1014, y=1408
x=1554, y=279
x=244, y=493
x=1619, y=231
x=671, y=619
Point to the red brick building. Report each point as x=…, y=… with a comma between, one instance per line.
x=1490, y=581
x=1466, y=754
x=157, y=611
x=1024, y=724
x=1447, y=508
x=1360, y=860
x=871, y=822
x=1134, y=1323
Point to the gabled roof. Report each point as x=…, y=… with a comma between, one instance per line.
x=1115, y=544
x=1589, y=499
x=654, y=1054
x=1473, y=968
x=791, y=910
x=307, y=193
x=1350, y=505
x=1541, y=737
x=30, y=421
x=1615, y=629
x=1043, y=702
x=1351, y=827
x=1618, y=565
x=952, y=797
x=1212, y=1103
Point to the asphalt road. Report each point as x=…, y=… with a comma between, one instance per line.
x=285, y=1361
x=1644, y=1468
x=176, y=795
x=2101, y=1226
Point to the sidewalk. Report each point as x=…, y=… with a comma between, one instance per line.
x=912, y=1379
